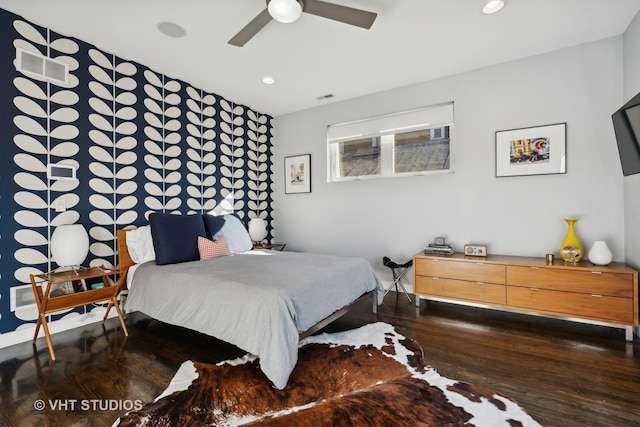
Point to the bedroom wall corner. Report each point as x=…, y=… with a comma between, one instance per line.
x=521, y=215
x=631, y=40
x=142, y=142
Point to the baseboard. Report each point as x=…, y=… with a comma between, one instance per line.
x=25, y=332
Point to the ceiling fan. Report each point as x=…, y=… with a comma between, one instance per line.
x=289, y=10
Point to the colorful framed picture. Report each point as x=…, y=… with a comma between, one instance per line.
x=539, y=150
x=297, y=172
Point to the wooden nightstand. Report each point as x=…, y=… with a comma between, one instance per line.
x=48, y=304
x=279, y=246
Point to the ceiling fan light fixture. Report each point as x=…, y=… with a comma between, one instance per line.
x=285, y=11
x=493, y=6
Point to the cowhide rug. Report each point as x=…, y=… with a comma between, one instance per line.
x=371, y=376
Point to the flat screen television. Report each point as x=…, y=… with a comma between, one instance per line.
x=626, y=124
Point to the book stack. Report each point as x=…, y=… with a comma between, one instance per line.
x=436, y=249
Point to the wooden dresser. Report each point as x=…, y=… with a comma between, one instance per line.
x=586, y=292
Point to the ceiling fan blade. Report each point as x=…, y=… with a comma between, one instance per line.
x=251, y=29
x=348, y=15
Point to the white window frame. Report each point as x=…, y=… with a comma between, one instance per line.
x=385, y=127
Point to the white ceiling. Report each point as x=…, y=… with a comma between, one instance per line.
x=410, y=42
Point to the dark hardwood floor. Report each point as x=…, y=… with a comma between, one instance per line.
x=563, y=373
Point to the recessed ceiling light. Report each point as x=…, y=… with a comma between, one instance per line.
x=493, y=6
x=171, y=29
x=268, y=80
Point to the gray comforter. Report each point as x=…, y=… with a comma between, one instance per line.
x=259, y=300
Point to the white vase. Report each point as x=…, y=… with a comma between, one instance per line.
x=599, y=253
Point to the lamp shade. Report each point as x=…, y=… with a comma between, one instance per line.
x=285, y=11
x=257, y=229
x=69, y=245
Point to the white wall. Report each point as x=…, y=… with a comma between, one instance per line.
x=581, y=86
x=632, y=182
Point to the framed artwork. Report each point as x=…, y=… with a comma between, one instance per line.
x=297, y=172
x=539, y=150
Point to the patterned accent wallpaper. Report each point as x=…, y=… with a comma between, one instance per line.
x=142, y=142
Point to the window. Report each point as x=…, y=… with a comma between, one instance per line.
x=411, y=143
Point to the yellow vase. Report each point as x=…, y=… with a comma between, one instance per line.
x=571, y=249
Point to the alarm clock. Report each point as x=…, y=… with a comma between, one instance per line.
x=475, y=250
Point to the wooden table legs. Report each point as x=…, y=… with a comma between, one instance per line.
x=42, y=321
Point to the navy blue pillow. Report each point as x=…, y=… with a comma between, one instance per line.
x=175, y=237
x=213, y=224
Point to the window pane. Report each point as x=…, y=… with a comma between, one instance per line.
x=421, y=150
x=404, y=143
x=359, y=157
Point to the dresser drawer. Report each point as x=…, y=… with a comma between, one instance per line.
x=572, y=304
x=602, y=283
x=460, y=289
x=474, y=271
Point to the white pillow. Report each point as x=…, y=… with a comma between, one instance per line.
x=237, y=236
x=140, y=244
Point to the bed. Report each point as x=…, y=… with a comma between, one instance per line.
x=262, y=301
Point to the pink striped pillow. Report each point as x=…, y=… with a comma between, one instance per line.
x=212, y=249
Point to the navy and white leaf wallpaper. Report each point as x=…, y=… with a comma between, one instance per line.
x=142, y=142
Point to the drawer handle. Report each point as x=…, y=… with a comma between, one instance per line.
x=479, y=263
x=534, y=289
x=479, y=283
x=534, y=268
x=435, y=278
x=596, y=272
x=596, y=295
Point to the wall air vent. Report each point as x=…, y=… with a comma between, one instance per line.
x=22, y=297
x=42, y=66
x=323, y=97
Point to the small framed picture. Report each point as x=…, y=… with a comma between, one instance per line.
x=297, y=172
x=536, y=150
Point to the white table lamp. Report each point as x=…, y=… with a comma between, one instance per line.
x=257, y=229
x=69, y=245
